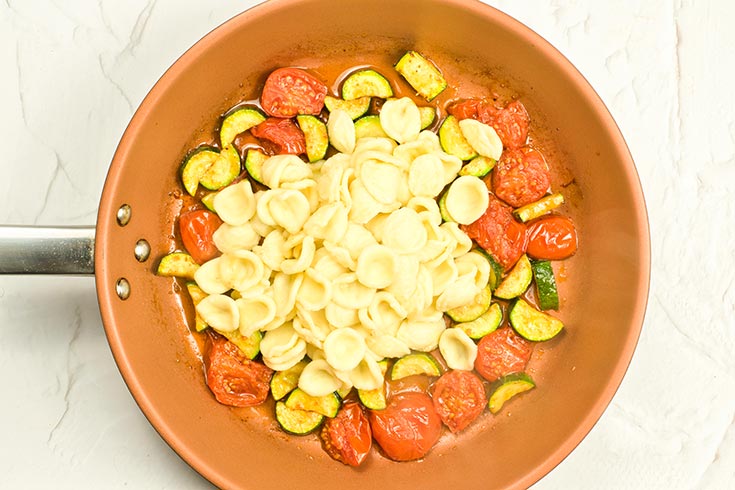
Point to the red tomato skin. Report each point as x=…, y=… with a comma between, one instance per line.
x=521, y=176
x=292, y=91
x=197, y=228
x=280, y=136
x=347, y=437
x=502, y=352
x=408, y=427
x=234, y=379
x=510, y=122
x=552, y=238
x=498, y=233
x=459, y=398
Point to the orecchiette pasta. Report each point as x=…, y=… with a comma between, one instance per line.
x=235, y=204
x=467, y=199
x=458, y=349
x=220, y=312
x=482, y=138
x=400, y=119
x=341, y=131
x=255, y=313
x=318, y=379
x=376, y=266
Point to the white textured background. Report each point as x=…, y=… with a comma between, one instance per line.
x=73, y=72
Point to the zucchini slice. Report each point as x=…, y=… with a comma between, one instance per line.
x=539, y=208
x=238, y=121
x=479, y=305
x=208, y=201
x=355, y=107
x=427, y=115
x=250, y=346
x=416, y=363
x=315, y=134
x=517, y=281
x=284, y=382
x=487, y=323
x=453, y=141
x=254, y=164
x=443, y=208
x=506, y=388
x=532, y=324
x=297, y=422
x=369, y=127
x=496, y=271
x=375, y=399
x=196, y=165
x=366, y=83
x=177, y=264
x=223, y=171
x=421, y=74
x=478, y=166
x=327, y=405
x=197, y=295
x=543, y=276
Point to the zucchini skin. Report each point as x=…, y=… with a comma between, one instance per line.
x=532, y=324
x=546, y=290
x=517, y=281
x=297, y=422
x=506, y=388
x=487, y=323
x=366, y=83
x=453, y=141
x=413, y=364
x=195, y=165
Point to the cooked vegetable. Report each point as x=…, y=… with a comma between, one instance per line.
x=297, y=422
x=521, y=176
x=369, y=127
x=452, y=140
x=279, y=136
x=327, y=405
x=315, y=134
x=539, y=208
x=238, y=121
x=511, y=122
x=502, y=352
x=289, y=92
x=546, y=292
x=428, y=114
x=366, y=83
x=347, y=437
x=223, y=171
x=486, y=323
x=375, y=399
x=533, y=324
x=416, y=363
x=177, y=264
x=197, y=295
x=208, y=201
x=517, y=280
x=552, y=238
x=408, y=427
x=421, y=74
x=479, y=166
x=284, y=382
x=250, y=346
x=195, y=165
x=355, y=107
x=475, y=309
x=254, y=164
x=506, y=388
x=197, y=229
x=459, y=398
x=443, y=208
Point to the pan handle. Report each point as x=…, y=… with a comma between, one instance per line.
x=47, y=250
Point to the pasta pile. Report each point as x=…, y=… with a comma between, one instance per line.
x=347, y=261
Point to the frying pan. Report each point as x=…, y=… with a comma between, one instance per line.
x=146, y=321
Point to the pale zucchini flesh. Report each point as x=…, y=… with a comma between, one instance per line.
x=539, y=208
x=453, y=141
x=355, y=107
x=238, y=121
x=315, y=134
x=479, y=166
x=223, y=171
x=197, y=295
x=506, y=388
x=284, y=382
x=254, y=164
x=369, y=127
x=417, y=363
x=366, y=83
x=195, y=165
x=177, y=264
x=327, y=405
x=375, y=399
x=427, y=115
x=517, y=280
x=487, y=323
x=421, y=74
x=297, y=422
x=532, y=324
x=250, y=346
x=475, y=309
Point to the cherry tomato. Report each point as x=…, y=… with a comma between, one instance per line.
x=197, y=228
x=521, y=176
x=510, y=122
x=347, y=437
x=552, y=238
x=499, y=233
x=234, y=379
x=408, y=427
x=502, y=352
x=292, y=91
x=280, y=136
x=459, y=398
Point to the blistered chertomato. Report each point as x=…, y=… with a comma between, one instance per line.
x=197, y=228
x=292, y=91
x=459, y=398
x=552, y=238
x=234, y=379
x=521, y=176
x=408, y=427
x=347, y=437
x=502, y=352
x=510, y=122
x=280, y=136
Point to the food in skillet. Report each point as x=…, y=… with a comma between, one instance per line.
x=359, y=272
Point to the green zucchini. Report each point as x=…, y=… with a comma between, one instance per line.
x=546, y=292
x=427, y=114
x=355, y=107
x=487, y=323
x=539, y=208
x=327, y=405
x=177, y=264
x=416, y=363
x=506, y=388
x=421, y=74
x=366, y=83
x=443, y=208
x=453, y=141
x=254, y=164
x=496, y=271
x=238, y=121
x=479, y=166
x=375, y=399
x=195, y=165
x=297, y=422
x=517, y=281
x=315, y=134
x=479, y=305
x=250, y=346
x=223, y=171
x=208, y=201
x=369, y=127
x=532, y=324
x=197, y=295
x=284, y=382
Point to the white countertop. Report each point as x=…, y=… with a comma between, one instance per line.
x=72, y=75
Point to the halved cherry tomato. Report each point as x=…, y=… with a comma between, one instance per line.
x=498, y=233
x=347, y=437
x=502, y=352
x=197, y=228
x=459, y=398
x=510, y=122
x=521, y=176
x=234, y=379
x=552, y=238
x=292, y=91
x=280, y=136
x=408, y=427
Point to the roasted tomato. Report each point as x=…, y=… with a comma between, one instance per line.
x=347, y=437
x=292, y=91
x=510, y=122
x=499, y=233
x=197, y=228
x=552, y=238
x=521, y=176
x=502, y=352
x=459, y=398
x=234, y=379
x=280, y=136
x=408, y=427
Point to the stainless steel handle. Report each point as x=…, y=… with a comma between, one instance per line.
x=47, y=250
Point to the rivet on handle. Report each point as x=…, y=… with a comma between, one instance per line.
x=122, y=288
x=142, y=250
x=124, y=214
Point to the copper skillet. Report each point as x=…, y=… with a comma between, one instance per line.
x=605, y=294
